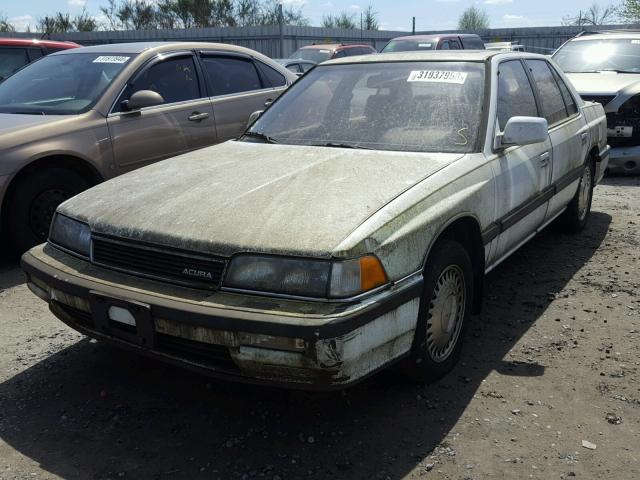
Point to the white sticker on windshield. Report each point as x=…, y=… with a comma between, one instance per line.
x=635, y=41
x=437, y=76
x=425, y=45
x=111, y=59
x=325, y=51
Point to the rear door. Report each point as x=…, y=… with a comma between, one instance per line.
x=182, y=123
x=522, y=172
x=239, y=86
x=567, y=129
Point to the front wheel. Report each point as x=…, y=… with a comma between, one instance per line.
x=444, y=311
x=576, y=216
x=34, y=200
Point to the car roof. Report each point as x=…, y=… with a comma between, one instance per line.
x=139, y=47
x=31, y=42
x=434, y=56
x=334, y=46
x=435, y=36
x=608, y=35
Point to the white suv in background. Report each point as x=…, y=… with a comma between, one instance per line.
x=604, y=67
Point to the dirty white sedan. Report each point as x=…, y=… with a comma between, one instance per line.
x=348, y=229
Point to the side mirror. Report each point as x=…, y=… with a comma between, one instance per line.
x=253, y=117
x=142, y=99
x=523, y=131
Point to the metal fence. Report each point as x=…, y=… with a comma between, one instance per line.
x=276, y=41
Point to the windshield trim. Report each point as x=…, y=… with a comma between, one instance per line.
x=484, y=109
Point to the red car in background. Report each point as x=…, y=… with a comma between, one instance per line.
x=15, y=53
x=319, y=53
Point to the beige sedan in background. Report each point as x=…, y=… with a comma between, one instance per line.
x=76, y=118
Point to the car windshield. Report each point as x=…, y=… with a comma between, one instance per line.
x=408, y=45
x=583, y=56
x=63, y=84
x=402, y=106
x=316, y=55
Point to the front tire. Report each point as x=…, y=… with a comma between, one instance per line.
x=445, y=308
x=576, y=216
x=33, y=201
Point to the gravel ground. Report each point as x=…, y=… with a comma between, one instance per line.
x=547, y=388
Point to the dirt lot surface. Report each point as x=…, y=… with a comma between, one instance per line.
x=553, y=362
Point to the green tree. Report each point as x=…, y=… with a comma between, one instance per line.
x=342, y=20
x=594, y=15
x=629, y=11
x=370, y=19
x=473, y=18
x=5, y=25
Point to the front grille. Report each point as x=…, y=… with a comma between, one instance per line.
x=197, y=352
x=163, y=263
x=603, y=99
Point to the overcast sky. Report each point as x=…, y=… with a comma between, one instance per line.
x=393, y=14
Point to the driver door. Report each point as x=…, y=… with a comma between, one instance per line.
x=522, y=173
x=183, y=122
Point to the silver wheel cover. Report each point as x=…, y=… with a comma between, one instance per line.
x=446, y=313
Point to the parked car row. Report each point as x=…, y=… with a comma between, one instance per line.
x=347, y=229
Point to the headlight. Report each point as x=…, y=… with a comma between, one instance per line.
x=306, y=278
x=71, y=234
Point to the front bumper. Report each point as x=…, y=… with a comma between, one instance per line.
x=314, y=345
x=624, y=160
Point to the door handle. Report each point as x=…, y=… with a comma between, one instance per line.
x=544, y=159
x=268, y=102
x=197, y=116
x=583, y=137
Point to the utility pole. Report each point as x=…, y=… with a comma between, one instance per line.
x=280, y=28
x=413, y=28
x=361, y=26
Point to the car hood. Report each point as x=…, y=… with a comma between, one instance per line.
x=10, y=122
x=609, y=83
x=242, y=196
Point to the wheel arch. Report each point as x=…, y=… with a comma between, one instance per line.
x=465, y=229
x=83, y=167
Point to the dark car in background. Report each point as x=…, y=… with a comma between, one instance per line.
x=414, y=43
x=328, y=51
x=78, y=117
x=15, y=53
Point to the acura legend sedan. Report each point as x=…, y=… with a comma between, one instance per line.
x=350, y=228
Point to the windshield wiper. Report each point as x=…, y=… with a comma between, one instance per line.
x=605, y=70
x=28, y=112
x=340, y=145
x=261, y=136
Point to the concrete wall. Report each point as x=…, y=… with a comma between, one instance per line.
x=275, y=43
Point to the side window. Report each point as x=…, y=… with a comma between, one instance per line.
x=472, y=43
x=340, y=54
x=515, y=96
x=294, y=67
x=572, y=108
x=229, y=75
x=175, y=79
x=454, y=45
x=35, y=54
x=12, y=59
x=306, y=66
x=444, y=45
x=275, y=78
x=550, y=96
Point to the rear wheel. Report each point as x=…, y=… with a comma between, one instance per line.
x=444, y=310
x=33, y=201
x=576, y=216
